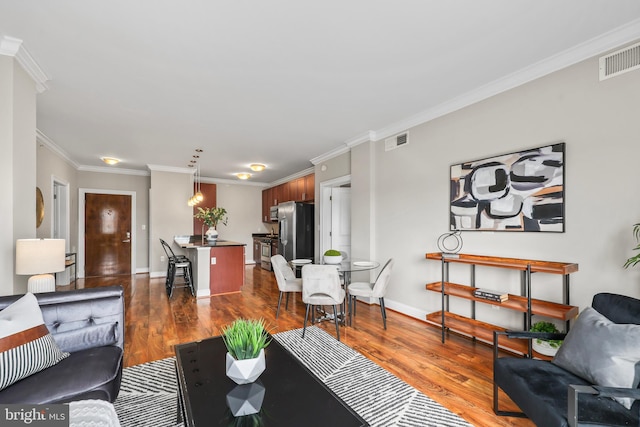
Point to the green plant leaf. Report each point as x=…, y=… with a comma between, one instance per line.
x=244, y=338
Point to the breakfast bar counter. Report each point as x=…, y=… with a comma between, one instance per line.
x=218, y=268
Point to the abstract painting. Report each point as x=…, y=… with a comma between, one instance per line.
x=522, y=191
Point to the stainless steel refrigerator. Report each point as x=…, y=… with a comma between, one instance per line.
x=295, y=237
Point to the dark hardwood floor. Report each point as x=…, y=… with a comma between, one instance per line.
x=457, y=374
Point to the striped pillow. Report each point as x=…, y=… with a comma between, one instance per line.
x=26, y=346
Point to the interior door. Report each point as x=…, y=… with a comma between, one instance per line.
x=107, y=239
x=341, y=219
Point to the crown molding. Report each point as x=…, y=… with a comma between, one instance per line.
x=160, y=168
x=330, y=154
x=114, y=170
x=360, y=139
x=233, y=182
x=292, y=177
x=43, y=139
x=596, y=46
x=11, y=46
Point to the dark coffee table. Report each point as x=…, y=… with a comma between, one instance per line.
x=293, y=396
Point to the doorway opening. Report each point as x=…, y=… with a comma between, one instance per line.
x=335, y=215
x=60, y=220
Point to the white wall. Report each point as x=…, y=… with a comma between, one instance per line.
x=139, y=185
x=17, y=168
x=598, y=122
x=244, y=207
x=169, y=214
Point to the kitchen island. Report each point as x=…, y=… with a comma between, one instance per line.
x=217, y=268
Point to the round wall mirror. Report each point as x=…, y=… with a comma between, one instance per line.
x=39, y=207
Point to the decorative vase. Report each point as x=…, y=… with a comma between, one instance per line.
x=211, y=234
x=245, y=371
x=332, y=259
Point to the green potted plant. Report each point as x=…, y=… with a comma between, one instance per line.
x=634, y=259
x=211, y=217
x=332, y=256
x=546, y=347
x=245, y=340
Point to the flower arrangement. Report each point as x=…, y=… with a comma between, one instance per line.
x=212, y=216
x=244, y=338
x=634, y=259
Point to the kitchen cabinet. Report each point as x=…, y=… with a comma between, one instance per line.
x=266, y=204
x=469, y=325
x=299, y=190
x=309, y=193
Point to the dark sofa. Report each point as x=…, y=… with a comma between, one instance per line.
x=554, y=397
x=89, y=324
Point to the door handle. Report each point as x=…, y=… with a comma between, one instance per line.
x=126, y=241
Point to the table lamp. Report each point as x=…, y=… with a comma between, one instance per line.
x=40, y=257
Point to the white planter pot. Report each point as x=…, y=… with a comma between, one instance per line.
x=329, y=259
x=245, y=371
x=543, y=347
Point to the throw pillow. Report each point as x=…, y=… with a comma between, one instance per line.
x=602, y=352
x=26, y=346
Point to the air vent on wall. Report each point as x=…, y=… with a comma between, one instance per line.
x=396, y=141
x=620, y=62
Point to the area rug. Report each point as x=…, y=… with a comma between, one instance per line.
x=148, y=392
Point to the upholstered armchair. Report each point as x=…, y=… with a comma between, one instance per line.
x=598, y=362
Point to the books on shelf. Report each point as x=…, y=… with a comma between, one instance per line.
x=490, y=294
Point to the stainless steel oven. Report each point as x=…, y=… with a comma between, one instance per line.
x=265, y=254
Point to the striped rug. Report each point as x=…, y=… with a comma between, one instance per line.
x=148, y=393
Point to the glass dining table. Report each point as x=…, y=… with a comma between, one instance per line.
x=346, y=268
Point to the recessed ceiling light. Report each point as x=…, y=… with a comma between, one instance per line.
x=243, y=175
x=257, y=167
x=110, y=160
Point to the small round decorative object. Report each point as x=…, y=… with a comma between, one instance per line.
x=450, y=243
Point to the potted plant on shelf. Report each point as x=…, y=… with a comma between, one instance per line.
x=332, y=256
x=546, y=347
x=245, y=340
x=211, y=217
x=634, y=259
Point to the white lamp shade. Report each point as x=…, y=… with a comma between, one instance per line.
x=39, y=256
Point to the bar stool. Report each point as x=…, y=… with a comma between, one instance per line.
x=174, y=263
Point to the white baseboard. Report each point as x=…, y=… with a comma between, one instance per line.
x=155, y=274
x=398, y=307
x=203, y=293
x=142, y=270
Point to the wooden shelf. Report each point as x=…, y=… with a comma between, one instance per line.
x=510, y=263
x=482, y=331
x=520, y=303
x=515, y=302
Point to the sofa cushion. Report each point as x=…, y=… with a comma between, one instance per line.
x=602, y=352
x=87, y=337
x=26, y=346
x=539, y=388
x=88, y=374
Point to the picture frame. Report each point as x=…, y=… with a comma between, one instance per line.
x=520, y=191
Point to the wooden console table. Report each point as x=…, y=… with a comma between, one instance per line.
x=522, y=303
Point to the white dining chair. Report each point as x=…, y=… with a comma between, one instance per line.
x=321, y=286
x=378, y=289
x=286, y=280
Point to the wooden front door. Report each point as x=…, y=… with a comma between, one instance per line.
x=107, y=235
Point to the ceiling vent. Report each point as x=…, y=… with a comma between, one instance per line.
x=396, y=141
x=620, y=62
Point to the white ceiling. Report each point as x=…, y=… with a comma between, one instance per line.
x=281, y=82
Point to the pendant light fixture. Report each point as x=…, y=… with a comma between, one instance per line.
x=197, y=197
